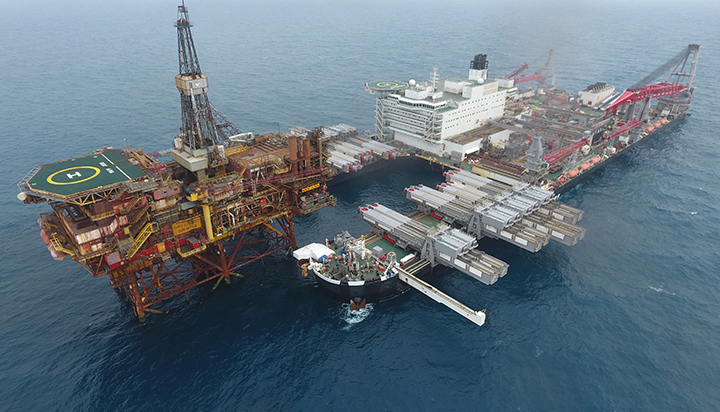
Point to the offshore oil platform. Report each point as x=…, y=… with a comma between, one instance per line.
x=227, y=198
x=158, y=229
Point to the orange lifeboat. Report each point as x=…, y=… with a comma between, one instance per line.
x=650, y=129
x=45, y=237
x=55, y=254
x=595, y=160
x=573, y=173
x=663, y=120
x=585, y=166
x=562, y=178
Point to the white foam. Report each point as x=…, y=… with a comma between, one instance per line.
x=353, y=317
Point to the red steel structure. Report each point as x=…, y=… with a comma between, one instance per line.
x=159, y=229
x=650, y=91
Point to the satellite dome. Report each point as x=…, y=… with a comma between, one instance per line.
x=412, y=82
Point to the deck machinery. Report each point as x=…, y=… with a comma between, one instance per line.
x=158, y=229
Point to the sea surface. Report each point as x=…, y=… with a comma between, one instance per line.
x=627, y=320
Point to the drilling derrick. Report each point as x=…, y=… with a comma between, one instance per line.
x=199, y=142
x=159, y=229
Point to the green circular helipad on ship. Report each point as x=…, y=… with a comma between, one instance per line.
x=386, y=85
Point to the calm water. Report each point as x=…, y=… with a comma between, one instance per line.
x=629, y=319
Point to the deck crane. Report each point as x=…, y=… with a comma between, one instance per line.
x=535, y=157
x=541, y=75
x=517, y=71
x=672, y=93
x=645, y=92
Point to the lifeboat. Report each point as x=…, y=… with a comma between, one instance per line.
x=45, y=237
x=595, y=160
x=650, y=129
x=562, y=178
x=60, y=256
x=585, y=166
x=663, y=120
x=573, y=173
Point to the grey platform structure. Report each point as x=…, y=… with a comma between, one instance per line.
x=522, y=214
x=441, y=244
x=348, y=152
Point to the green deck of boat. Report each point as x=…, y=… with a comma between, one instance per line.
x=84, y=174
x=388, y=247
x=336, y=269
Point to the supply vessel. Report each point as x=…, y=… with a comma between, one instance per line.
x=226, y=198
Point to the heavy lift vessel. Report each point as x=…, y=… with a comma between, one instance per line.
x=504, y=192
x=567, y=141
x=158, y=229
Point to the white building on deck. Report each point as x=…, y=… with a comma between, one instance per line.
x=428, y=115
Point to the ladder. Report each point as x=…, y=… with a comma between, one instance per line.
x=148, y=230
x=57, y=244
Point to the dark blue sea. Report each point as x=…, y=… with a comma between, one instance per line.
x=627, y=320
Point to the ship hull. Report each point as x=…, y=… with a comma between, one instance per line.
x=585, y=176
x=372, y=291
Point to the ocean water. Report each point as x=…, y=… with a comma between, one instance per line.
x=627, y=320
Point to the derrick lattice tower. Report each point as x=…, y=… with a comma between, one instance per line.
x=199, y=130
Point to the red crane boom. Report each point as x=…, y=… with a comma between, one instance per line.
x=623, y=129
x=530, y=78
x=517, y=71
x=553, y=157
x=651, y=90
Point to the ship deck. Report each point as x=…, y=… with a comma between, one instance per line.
x=89, y=173
x=337, y=269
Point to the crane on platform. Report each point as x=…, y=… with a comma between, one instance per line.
x=645, y=92
x=564, y=152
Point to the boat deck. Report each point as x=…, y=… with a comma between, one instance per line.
x=338, y=269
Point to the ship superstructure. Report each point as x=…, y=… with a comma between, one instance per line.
x=426, y=115
x=545, y=136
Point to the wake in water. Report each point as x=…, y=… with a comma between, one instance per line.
x=353, y=317
x=660, y=290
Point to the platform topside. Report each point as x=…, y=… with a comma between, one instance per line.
x=82, y=174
